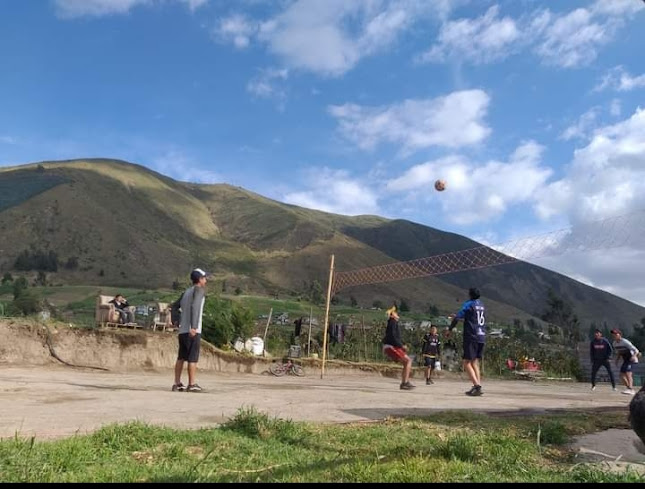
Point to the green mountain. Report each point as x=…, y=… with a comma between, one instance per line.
x=114, y=223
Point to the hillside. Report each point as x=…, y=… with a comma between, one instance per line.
x=125, y=225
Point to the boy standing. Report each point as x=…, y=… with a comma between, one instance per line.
x=431, y=351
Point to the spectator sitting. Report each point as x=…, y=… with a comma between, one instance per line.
x=126, y=315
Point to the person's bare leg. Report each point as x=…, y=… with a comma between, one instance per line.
x=428, y=373
x=192, y=371
x=623, y=378
x=468, y=367
x=478, y=377
x=179, y=366
x=630, y=381
x=407, y=368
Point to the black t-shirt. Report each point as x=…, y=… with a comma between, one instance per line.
x=431, y=345
x=393, y=334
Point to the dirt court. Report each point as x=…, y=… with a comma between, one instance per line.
x=53, y=402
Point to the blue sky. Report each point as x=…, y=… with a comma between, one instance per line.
x=529, y=109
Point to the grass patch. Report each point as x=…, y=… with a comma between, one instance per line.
x=253, y=447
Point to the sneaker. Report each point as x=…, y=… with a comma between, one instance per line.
x=429, y=381
x=593, y=388
x=407, y=386
x=193, y=388
x=178, y=387
x=475, y=391
x=614, y=389
x=629, y=392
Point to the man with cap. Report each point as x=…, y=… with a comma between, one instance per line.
x=190, y=331
x=629, y=353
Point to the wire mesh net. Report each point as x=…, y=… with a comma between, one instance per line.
x=616, y=232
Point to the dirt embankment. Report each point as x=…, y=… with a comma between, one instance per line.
x=28, y=343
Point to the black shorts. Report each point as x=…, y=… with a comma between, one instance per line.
x=429, y=361
x=189, y=347
x=473, y=350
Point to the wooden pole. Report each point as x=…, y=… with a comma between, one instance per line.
x=264, y=340
x=311, y=313
x=329, y=287
x=364, y=336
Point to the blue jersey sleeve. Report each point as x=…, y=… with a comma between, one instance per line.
x=462, y=312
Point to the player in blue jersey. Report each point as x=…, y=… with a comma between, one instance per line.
x=473, y=314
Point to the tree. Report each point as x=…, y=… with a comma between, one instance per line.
x=316, y=292
x=42, y=278
x=216, y=321
x=72, y=263
x=19, y=286
x=377, y=304
x=403, y=306
x=433, y=310
x=560, y=313
x=238, y=291
x=26, y=303
x=353, y=301
x=6, y=278
x=176, y=285
x=242, y=321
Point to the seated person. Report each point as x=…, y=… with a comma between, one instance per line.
x=126, y=315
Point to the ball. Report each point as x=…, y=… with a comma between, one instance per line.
x=440, y=185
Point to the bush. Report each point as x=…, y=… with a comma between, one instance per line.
x=223, y=321
x=26, y=303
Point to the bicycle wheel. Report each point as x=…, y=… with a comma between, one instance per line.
x=297, y=370
x=277, y=369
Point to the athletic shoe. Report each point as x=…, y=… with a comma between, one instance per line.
x=629, y=392
x=193, y=388
x=178, y=387
x=475, y=391
x=429, y=381
x=614, y=389
x=593, y=387
x=407, y=386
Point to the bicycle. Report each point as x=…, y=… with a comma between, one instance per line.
x=280, y=369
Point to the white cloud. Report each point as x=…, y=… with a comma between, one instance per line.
x=71, y=9
x=583, y=126
x=8, y=140
x=481, y=40
x=612, y=270
x=573, y=39
x=195, y=4
x=329, y=37
x=452, y=121
x=604, y=178
x=178, y=165
x=619, y=79
x=569, y=39
x=615, y=108
x=477, y=192
x=236, y=29
x=335, y=191
x=267, y=85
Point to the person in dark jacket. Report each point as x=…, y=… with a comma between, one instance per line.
x=121, y=306
x=394, y=348
x=600, y=351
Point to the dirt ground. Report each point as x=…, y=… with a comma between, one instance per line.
x=53, y=402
